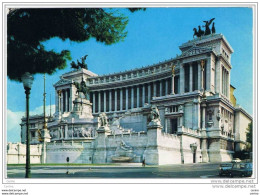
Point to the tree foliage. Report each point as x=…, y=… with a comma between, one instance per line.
x=28, y=28
x=249, y=136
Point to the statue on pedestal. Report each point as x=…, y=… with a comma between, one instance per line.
x=82, y=89
x=154, y=117
x=102, y=120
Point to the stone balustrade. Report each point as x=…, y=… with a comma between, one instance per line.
x=191, y=131
x=131, y=74
x=128, y=135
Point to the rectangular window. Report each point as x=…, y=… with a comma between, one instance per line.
x=118, y=99
x=124, y=98
x=96, y=101
x=176, y=84
x=195, y=77
x=102, y=101
x=174, y=126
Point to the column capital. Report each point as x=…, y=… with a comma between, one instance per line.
x=202, y=64
x=59, y=92
x=203, y=105
x=173, y=69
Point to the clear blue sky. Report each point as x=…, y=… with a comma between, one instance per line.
x=153, y=35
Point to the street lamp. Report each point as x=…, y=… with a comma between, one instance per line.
x=27, y=80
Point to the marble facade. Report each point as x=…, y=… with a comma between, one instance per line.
x=198, y=122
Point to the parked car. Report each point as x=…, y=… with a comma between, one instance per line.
x=241, y=169
x=224, y=169
x=236, y=160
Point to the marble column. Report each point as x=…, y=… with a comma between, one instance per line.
x=182, y=83
x=70, y=100
x=59, y=101
x=196, y=114
x=115, y=100
x=121, y=99
x=203, y=105
x=202, y=64
x=110, y=100
x=149, y=93
x=137, y=96
x=132, y=97
x=94, y=101
x=66, y=131
x=143, y=88
x=166, y=125
x=172, y=92
x=217, y=77
x=99, y=101
x=126, y=98
x=56, y=101
x=62, y=110
x=105, y=101
x=191, y=78
x=199, y=75
x=66, y=100
x=208, y=73
x=166, y=87
x=154, y=89
x=228, y=85
x=224, y=82
x=181, y=121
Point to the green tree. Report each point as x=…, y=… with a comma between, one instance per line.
x=249, y=136
x=27, y=29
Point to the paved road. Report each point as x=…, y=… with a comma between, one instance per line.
x=207, y=170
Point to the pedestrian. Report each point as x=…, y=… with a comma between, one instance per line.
x=143, y=163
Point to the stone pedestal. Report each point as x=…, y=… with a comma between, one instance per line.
x=151, y=154
x=204, y=151
x=100, y=154
x=204, y=147
x=216, y=154
x=45, y=139
x=82, y=107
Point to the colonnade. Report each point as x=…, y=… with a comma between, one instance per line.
x=63, y=100
x=192, y=76
x=130, y=97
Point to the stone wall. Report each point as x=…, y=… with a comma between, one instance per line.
x=16, y=153
x=242, y=120
x=169, y=149
x=78, y=152
x=137, y=141
x=216, y=154
x=187, y=143
x=134, y=121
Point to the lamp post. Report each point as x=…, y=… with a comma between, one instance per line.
x=27, y=80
